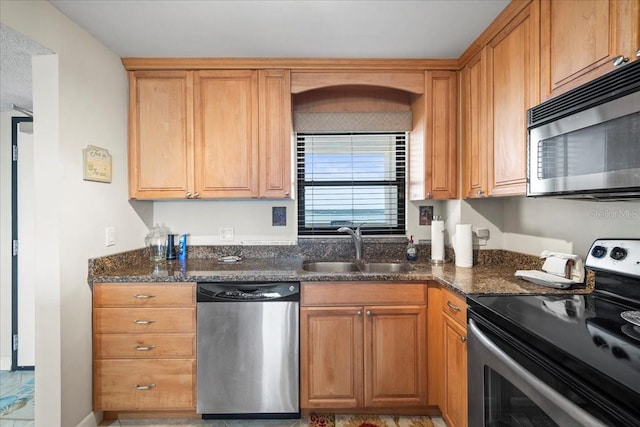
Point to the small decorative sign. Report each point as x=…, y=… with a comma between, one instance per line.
x=96, y=163
x=426, y=215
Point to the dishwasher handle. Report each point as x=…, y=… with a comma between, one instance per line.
x=247, y=292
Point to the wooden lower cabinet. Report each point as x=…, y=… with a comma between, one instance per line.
x=144, y=347
x=454, y=358
x=364, y=356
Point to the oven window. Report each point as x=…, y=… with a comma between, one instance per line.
x=506, y=405
x=601, y=148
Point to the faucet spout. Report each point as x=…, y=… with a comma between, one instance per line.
x=357, y=239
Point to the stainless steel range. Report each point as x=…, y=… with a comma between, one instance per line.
x=562, y=360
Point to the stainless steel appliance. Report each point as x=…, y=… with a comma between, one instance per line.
x=586, y=142
x=248, y=350
x=562, y=360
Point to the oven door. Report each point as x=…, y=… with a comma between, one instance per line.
x=506, y=388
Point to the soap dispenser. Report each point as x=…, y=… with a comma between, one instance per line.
x=412, y=253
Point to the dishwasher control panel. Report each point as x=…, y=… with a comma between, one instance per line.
x=248, y=292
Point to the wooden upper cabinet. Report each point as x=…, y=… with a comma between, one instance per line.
x=474, y=119
x=160, y=134
x=442, y=134
x=580, y=39
x=433, y=150
x=512, y=88
x=226, y=133
x=210, y=134
x=275, y=133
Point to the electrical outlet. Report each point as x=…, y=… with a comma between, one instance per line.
x=226, y=233
x=110, y=236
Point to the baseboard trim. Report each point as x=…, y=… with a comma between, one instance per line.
x=93, y=419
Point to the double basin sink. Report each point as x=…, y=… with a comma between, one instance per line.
x=353, y=267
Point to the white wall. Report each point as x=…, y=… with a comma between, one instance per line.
x=529, y=225
x=80, y=98
x=251, y=220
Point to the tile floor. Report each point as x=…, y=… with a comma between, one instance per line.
x=17, y=409
x=16, y=398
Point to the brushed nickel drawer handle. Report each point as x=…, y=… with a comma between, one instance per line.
x=145, y=387
x=144, y=322
x=453, y=307
x=142, y=296
x=145, y=348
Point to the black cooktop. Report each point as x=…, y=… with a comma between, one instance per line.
x=584, y=332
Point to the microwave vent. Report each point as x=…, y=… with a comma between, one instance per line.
x=612, y=85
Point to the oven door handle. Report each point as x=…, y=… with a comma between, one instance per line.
x=562, y=410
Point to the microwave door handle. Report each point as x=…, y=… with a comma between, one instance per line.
x=559, y=408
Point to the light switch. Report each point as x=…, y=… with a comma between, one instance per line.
x=110, y=236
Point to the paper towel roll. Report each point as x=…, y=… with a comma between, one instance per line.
x=437, y=240
x=555, y=265
x=464, y=245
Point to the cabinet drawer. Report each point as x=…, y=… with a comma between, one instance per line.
x=144, y=384
x=349, y=293
x=151, y=346
x=143, y=295
x=455, y=306
x=143, y=320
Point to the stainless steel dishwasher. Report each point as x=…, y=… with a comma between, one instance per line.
x=248, y=350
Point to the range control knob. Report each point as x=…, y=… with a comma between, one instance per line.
x=618, y=253
x=599, y=251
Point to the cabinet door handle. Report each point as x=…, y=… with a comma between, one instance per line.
x=619, y=60
x=188, y=195
x=145, y=387
x=196, y=195
x=480, y=193
x=142, y=296
x=463, y=339
x=145, y=348
x=428, y=196
x=453, y=307
x=144, y=322
x=359, y=312
x=368, y=313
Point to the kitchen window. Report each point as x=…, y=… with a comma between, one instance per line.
x=350, y=179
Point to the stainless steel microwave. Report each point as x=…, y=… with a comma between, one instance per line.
x=586, y=143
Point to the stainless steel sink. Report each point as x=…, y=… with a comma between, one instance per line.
x=385, y=267
x=330, y=267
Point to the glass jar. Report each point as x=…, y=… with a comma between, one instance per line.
x=156, y=242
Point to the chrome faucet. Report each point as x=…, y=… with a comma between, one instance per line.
x=357, y=238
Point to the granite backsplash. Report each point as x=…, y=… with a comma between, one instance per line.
x=319, y=249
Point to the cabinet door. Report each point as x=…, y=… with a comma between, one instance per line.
x=331, y=357
x=226, y=133
x=395, y=356
x=455, y=365
x=474, y=139
x=512, y=64
x=275, y=136
x=160, y=134
x=580, y=39
x=442, y=136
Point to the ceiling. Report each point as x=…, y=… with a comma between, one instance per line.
x=268, y=28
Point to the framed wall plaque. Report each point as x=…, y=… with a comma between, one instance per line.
x=96, y=162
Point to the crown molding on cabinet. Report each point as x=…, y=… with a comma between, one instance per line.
x=307, y=64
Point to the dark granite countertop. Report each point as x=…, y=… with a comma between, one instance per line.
x=487, y=277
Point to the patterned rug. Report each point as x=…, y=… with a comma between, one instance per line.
x=16, y=395
x=329, y=420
